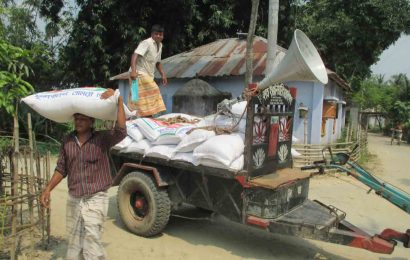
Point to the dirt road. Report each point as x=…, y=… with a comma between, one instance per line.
x=221, y=239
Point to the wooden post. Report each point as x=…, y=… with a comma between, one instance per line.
x=14, y=178
x=39, y=186
x=48, y=209
x=249, y=43
x=22, y=179
x=41, y=209
x=30, y=181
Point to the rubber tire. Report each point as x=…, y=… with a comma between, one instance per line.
x=159, y=204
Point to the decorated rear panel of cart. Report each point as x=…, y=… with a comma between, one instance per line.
x=269, y=130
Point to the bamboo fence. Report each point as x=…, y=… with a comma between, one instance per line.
x=23, y=174
x=314, y=152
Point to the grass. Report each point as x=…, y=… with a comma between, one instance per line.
x=366, y=156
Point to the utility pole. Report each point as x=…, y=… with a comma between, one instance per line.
x=249, y=43
x=272, y=34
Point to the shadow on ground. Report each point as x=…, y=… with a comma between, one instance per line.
x=239, y=240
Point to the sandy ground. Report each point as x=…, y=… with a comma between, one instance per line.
x=221, y=239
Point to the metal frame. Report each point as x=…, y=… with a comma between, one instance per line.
x=231, y=193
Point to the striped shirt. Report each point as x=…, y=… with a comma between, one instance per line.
x=87, y=166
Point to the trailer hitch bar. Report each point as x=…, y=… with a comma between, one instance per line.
x=393, y=235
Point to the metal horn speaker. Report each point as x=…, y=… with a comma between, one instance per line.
x=302, y=62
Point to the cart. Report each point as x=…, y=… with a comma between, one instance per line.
x=267, y=194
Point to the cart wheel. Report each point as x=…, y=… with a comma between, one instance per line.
x=144, y=208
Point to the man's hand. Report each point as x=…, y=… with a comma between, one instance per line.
x=134, y=74
x=164, y=80
x=108, y=93
x=45, y=198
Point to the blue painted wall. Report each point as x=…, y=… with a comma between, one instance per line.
x=311, y=94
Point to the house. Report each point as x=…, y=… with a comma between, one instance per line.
x=222, y=65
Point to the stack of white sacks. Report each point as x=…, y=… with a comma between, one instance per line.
x=151, y=137
x=155, y=138
x=190, y=142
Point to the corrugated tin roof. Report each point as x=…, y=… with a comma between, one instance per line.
x=225, y=57
x=339, y=81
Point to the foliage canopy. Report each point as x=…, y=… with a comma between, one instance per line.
x=351, y=35
x=391, y=97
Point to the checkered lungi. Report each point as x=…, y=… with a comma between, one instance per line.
x=149, y=97
x=85, y=218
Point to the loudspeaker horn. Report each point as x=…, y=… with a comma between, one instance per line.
x=302, y=62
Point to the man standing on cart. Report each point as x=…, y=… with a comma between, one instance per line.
x=144, y=60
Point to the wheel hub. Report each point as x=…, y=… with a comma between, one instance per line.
x=139, y=203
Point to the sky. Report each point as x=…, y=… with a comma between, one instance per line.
x=395, y=59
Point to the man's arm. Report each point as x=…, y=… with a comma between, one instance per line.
x=45, y=195
x=120, y=113
x=120, y=131
x=162, y=73
x=134, y=60
x=59, y=174
x=120, y=107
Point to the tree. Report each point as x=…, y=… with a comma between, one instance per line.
x=351, y=35
x=27, y=62
x=249, y=42
x=14, y=69
x=392, y=98
x=105, y=34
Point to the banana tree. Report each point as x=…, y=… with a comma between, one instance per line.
x=13, y=69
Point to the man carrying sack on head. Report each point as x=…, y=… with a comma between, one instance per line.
x=83, y=160
x=144, y=60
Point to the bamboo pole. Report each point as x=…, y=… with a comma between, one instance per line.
x=13, y=248
x=48, y=209
x=30, y=182
x=44, y=210
x=41, y=212
x=21, y=179
x=40, y=181
x=21, y=227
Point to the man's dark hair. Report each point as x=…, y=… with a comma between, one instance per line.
x=157, y=28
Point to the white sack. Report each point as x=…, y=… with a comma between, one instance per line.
x=221, y=148
x=161, y=151
x=236, y=165
x=238, y=108
x=190, y=142
x=133, y=131
x=149, y=127
x=61, y=105
x=186, y=157
x=137, y=147
x=241, y=135
x=124, y=143
x=223, y=121
x=162, y=132
x=172, y=134
x=295, y=153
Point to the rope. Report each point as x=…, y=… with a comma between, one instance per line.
x=178, y=119
x=246, y=95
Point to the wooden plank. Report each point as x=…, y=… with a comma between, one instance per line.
x=279, y=178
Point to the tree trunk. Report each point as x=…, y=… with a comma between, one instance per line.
x=249, y=42
x=272, y=34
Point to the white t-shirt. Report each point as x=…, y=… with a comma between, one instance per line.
x=150, y=54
